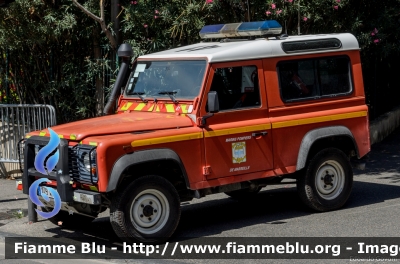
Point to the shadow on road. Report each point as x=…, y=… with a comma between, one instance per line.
x=277, y=206
x=385, y=158
x=216, y=216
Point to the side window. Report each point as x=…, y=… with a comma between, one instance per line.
x=237, y=87
x=314, y=78
x=334, y=76
x=297, y=79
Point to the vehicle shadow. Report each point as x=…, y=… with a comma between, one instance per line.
x=384, y=158
x=212, y=217
x=270, y=207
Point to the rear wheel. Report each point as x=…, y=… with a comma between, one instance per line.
x=147, y=210
x=327, y=182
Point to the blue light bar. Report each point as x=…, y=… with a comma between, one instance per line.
x=257, y=28
x=212, y=31
x=230, y=30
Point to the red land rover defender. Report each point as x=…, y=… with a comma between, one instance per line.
x=229, y=116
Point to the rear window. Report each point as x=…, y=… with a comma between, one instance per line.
x=314, y=78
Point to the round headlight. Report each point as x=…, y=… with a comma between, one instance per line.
x=86, y=161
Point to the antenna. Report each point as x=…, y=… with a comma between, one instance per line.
x=285, y=28
x=298, y=19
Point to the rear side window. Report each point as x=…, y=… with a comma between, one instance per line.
x=314, y=78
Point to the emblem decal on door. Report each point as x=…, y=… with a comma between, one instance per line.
x=239, y=152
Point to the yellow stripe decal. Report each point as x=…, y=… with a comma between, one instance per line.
x=27, y=136
x=61, y=136
x=140, y=106
x=42, y=133
x=92, y=143
x=318, y=119
x=72, y=136
x=153, y=141
x=93, y=188
x=126, y=106
x=230, y=131
x=184, y=109
x=170, y=108
x=151, y=108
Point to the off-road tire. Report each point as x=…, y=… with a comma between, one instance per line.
x=65, y=219
x=134, y=211
x=244, y=194
x=326, y=183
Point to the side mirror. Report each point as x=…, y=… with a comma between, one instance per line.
x=213, y=107
x=213, y=103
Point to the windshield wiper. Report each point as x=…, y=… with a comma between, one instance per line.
x=170, y=94
x=139, y=94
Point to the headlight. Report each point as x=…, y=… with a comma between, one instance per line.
x=87, y=160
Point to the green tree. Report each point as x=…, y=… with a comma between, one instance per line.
x=59, y=54
x=48, y=50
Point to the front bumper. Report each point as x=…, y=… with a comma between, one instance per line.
x=81, y=197
x=61, y=173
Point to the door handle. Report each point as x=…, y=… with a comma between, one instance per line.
x=259, y=134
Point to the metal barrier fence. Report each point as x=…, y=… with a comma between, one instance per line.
x=16, y=122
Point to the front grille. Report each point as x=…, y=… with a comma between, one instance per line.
x=73, y=168
x=75, y=165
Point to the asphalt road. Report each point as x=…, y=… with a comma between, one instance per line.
x=372, y=211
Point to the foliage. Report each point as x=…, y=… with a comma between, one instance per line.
x=47, y=50
x=157, y=25
x=52, y=48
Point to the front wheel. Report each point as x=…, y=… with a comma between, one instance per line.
x=327, y=182
x=147, y=210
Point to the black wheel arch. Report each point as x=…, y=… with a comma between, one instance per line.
x=141, y=158
x=315, y=140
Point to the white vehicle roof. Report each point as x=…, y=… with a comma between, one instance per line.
x=250, y=49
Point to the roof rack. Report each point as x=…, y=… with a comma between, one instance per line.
x=236, y=39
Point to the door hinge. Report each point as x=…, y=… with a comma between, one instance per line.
x=206, y=170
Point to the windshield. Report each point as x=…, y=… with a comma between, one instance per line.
x=166, y=79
